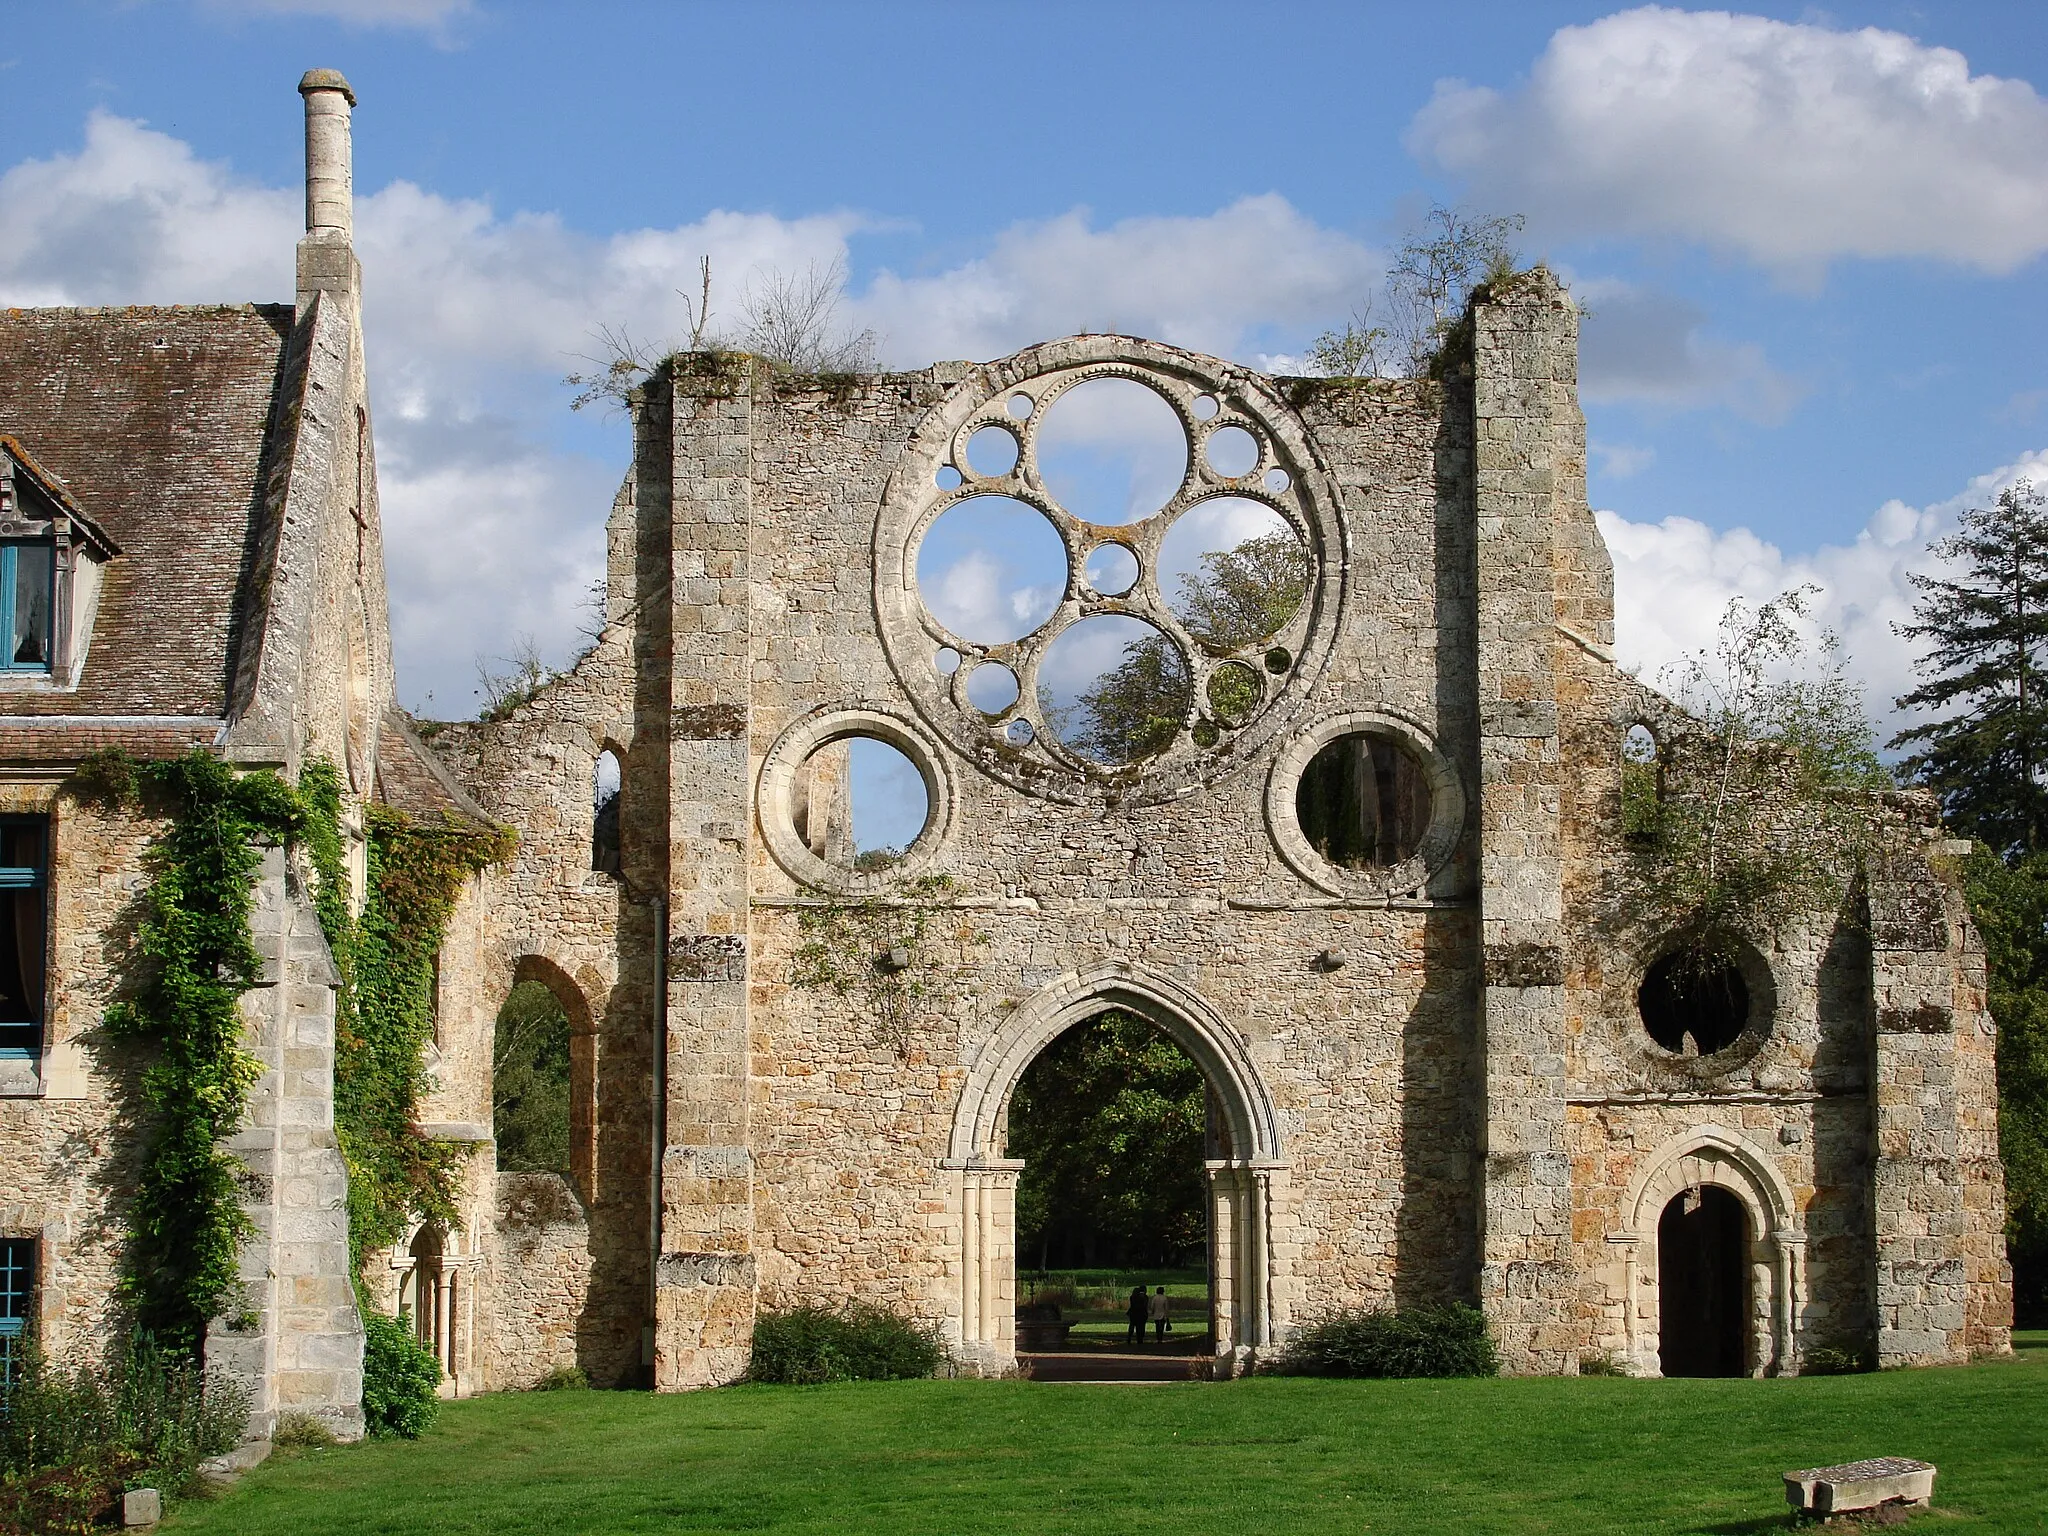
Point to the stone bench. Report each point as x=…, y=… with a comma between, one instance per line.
x=1860, y=1485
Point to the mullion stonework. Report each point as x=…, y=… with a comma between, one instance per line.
x=1462, y=1105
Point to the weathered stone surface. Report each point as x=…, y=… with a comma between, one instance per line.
x=1861, y=1485
x=141, y=1506
x=1466, y=1107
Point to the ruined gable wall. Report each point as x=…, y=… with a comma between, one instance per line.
x=548, y=916
x=1368, y=1063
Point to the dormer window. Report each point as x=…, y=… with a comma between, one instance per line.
x=51, y=556
x=28, y=571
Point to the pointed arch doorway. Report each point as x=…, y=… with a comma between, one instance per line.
x=1243, y=1177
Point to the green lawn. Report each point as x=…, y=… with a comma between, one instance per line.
x=1244, y=1458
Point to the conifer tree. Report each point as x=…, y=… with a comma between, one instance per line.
x=1987, y=631
x=1986, y=757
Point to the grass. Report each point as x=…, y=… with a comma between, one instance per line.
x=1271, y=1455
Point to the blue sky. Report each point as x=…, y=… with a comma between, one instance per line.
x=1812, y=251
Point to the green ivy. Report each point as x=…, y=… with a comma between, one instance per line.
x=385, y=1012
x=187, y=1221
x=873, y=948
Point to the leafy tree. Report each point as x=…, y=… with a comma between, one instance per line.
x=1987, y=754
x=1133, y=710
x=2010, y=904
x=1781, y=731
x=1245, y=594
x=1110, y=1121
x=530, y=1082
x=1427, y=287
x=1239, y=597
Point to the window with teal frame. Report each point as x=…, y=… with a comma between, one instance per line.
x=27, y=599
x=17, y=1286
x=24, y=898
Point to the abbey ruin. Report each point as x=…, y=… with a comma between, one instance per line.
x=1362, y=872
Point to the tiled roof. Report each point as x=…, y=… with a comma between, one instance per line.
x=61, y=742
x=158, y=423
x=412, y=779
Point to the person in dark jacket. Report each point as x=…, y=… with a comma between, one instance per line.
x=1135, y=1314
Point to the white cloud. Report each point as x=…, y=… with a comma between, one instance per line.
x=1648, y=348
x=1210, y=283
x=1673, y=580
x=474, y=315
x=136, y=218
x=1791, y=144
x=1619, y=461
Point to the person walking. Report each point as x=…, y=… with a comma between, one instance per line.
x=1135, y=1314
x=1162, y=1319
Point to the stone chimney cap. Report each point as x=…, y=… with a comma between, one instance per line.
x=326, y=80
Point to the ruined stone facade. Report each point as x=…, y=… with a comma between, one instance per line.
x=1430, y=1078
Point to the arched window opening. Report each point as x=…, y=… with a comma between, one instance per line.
x=530, y=1082
x=1112, y=1122
x=428, y=1296
x=1364, y=802
x=604, y=826
x=1693, y=1004
x=1703, y=1297
x=1642, y=782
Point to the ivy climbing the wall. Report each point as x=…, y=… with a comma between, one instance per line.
x=385, y=1013
x=188, y=1225
x=876, y=949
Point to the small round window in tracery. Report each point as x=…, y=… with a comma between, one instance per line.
x=1137, y=541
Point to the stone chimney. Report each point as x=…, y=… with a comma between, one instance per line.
x=327, y=261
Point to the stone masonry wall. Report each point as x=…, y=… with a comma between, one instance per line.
x=71, y=1164
x=1459, y=1105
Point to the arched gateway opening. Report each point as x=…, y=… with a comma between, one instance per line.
x=1712, y=1263
x=1111, y=1123
x=1239, y=1174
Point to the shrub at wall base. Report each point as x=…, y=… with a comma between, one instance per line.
x=399, y=1378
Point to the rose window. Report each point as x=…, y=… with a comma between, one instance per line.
x=1104, y=568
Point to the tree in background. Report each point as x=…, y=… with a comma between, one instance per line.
x=2010, y=904
x=1984, y=755
x=1240, y=596
x=1110, y=1121
x=1244, y=594
x=530, y=1082
x=1133, y=710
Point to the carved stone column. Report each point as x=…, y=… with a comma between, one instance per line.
x=987, y=1203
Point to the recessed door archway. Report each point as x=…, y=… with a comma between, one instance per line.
x=1713, y=1261
x=1243, y=1179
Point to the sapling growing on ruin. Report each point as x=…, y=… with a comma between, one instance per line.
x=1755, y=822
x=1427, y=287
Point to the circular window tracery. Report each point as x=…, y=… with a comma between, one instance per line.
x=1190, y=600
